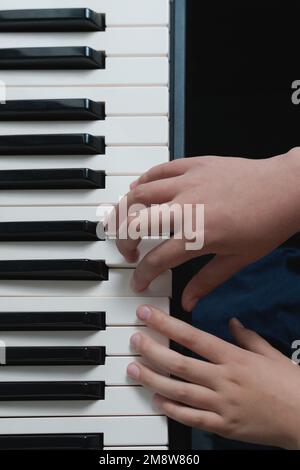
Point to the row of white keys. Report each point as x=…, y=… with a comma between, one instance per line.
x=120, y=131
x=117, y=42
x=118, y=12
x=118, y=285
x=119, y=101
x=119, y=311
x=119, y=71
x=115, y=188
x=117, y=431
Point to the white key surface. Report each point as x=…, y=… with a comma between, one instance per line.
x=117, y=161
x=118, y=12
x=115, y=339
x=113, y=372
x=116, y=130
x=118, y=100
x=137, y=41
x=118, y=431
x=119, y=71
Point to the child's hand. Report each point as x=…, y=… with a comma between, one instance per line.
x=248, y=393
x=251, y=207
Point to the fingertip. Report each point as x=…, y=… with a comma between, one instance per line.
x=189, y=303
x=236, y=322
x=134, y=184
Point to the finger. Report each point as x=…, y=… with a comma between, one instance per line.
x=182, y=392
x=200, y=419
x=155, y=221
x=167, y=255
x=251, y=341
x=164, y=171
x=217, y=271
x=204, y=344
x=173, y=363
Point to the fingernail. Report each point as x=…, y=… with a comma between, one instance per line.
x=237, y=322
x=143, y=312
x=135, y=340
x=133, y=371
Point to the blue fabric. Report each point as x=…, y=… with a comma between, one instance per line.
x=265, y=297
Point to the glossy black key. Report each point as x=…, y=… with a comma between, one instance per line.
x=80, y=230
x=70, y=178
x=51, y=20
x=52, y=144
x=51, y=58
x=51, y=442
x=55, y=356
x=52, y=270
x=52, y=321
x=33, y=391
x=52, y=110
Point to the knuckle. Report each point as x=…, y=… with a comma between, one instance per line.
x=191, y=340
x=179, y=366
x=181, y=393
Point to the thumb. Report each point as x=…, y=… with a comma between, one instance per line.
x=251, y=341
x=217, y=271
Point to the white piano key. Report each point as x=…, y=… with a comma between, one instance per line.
x=115, y=188
x=119, y=401
x=116, y=130
x=117, y=161
x=115, y=339
x=118, y=100
x=118, y=431
x=113, y=372
x=119, y=71
x=118, y=311
x=118, y=285
x=135, y=41
x=118, y=12
x=27, y=214
x=104, y=250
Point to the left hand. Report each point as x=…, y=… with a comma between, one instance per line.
x=248, y=393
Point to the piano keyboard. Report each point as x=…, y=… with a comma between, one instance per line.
x=86, y=112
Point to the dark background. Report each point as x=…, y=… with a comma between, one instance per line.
x=242, y=58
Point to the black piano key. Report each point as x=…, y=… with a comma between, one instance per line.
x=55, y=356
x=51, y=442
x=52, y=110
x=73, y=230
x=34, y=391
x=51, y=20
x=51, y=58
x=52, y=321
x=69, y=178
x=52, y=270
x=52, y=144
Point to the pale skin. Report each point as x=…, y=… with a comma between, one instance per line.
x=247, y=392
x=251, y=207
